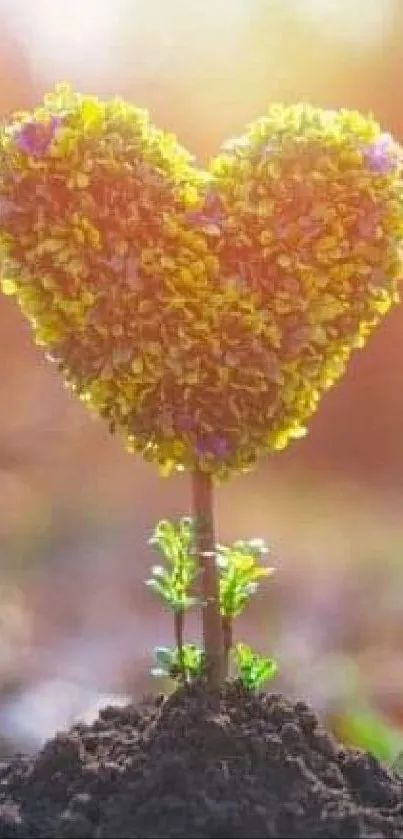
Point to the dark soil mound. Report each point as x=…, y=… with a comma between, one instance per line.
x=195, y=765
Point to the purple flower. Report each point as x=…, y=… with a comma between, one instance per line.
x=378, y=154
x=218, y=446
x=212, y=212
x=34, y=138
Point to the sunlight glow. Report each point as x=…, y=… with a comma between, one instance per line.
x=72, y=37
x=356, y=22
x=61, y=36
x=67, y=38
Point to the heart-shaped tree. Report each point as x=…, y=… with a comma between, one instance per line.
x=201, y=313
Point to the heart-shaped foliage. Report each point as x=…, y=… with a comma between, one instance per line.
x=202, y=313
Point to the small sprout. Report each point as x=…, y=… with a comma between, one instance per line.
x=165, y=585
x=240, y=574
x=180, y=665
x=253, y=669
x=174, y=581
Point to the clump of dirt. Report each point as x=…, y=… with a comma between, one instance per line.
x=200, y=765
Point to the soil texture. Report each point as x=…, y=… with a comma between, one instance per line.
x=236, y=766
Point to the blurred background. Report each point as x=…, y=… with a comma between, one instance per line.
x=77, y=624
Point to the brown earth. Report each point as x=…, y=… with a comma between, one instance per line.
x=200, y=765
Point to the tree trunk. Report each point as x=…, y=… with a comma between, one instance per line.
x=202, y=492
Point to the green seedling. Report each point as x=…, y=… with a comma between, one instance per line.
x=174, y=580
x=239, y=575
x=253, y=669
x=182, y=665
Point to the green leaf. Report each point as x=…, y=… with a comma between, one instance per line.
x=164, y=656
x=156, y=585
x=264, y=670
x=222, y=559
x=174, y=581
x=240, y=574
x=160, y=588
x=158, y=571
x=164, y=537
x=253, y=668
x=185, y=667
x=187, y=531
x=193, y=659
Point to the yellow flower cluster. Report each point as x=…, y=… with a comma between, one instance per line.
x=202, y=314
x=312, y=203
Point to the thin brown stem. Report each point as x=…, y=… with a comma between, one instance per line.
x=228, y=640
x=202, y=492
x=179, y=624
